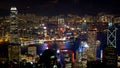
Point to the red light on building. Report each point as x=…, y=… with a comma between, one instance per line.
x=61, y=29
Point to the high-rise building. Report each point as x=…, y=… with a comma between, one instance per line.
x=14, y=47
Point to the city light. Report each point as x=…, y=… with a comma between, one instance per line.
x=61, y=29
x=58, y=51
x=13, y=8
x=76, y=35
x=44, y=27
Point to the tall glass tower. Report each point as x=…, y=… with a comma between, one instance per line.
x=14, y=47
x=13, y=25
x=111, y=35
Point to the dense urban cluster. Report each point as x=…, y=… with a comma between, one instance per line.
x=37, y=33
x=31, y=25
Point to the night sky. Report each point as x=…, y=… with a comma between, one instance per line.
x=53, y=7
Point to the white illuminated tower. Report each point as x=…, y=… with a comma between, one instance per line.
x=14, y=47
x=13, y=25
x=111, y=35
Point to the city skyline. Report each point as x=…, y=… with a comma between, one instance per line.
x=81, y=30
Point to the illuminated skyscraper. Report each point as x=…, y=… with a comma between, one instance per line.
x=13, y=25
x=61, y=23
x=92, y=45
x=14, y=48
x=111, y=35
